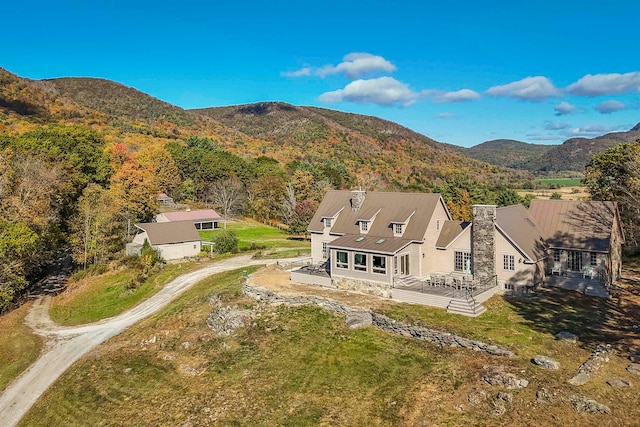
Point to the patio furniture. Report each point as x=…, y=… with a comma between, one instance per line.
x=557, y=268
x=588, y=272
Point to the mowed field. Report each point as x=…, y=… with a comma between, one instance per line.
x=255, y=234
x=566, y=193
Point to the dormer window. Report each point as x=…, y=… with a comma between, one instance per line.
x=364, y=226
x=327, y=222
x=397, y=228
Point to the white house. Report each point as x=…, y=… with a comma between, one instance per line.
x=405, y=246
x=172, y=240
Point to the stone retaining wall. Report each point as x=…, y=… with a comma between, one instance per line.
x=378, y=289
x=355, y=318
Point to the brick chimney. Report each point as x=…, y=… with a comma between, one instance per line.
x=483, y=242
x=357, y=199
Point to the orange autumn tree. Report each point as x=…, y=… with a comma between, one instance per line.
x=132, y=188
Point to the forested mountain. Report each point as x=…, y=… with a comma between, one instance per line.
x=399, y=156
x=83, y=159
x=117, y=100
x=571, y=155
x=575, y=153
x=505, y=152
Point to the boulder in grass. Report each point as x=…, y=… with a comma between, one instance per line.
x=566, y=336
x=546, y=362
x=619, y=383
x=584, y=404
x=634, y=368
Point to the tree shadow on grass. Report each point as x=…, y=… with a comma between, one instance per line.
x=594, y=320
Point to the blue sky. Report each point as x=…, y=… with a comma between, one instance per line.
x=462, y=72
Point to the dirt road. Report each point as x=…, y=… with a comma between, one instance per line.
x=65, y=345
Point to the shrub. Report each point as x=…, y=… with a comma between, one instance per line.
x=226, y=241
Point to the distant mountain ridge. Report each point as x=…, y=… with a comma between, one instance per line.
x=572, y=155
x=376, y=153
x=505, y=152
x=403, y=157
x=116, y=99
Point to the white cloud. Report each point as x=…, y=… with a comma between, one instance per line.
x=591, y=131
x=461, y=95
x=611, y=106
x=357, y=64
x=556, y=126
x=564, y=108
x=306, y=71
x=382, y=91
x=541, y=137
x=605, y=84
x=446, y=116
x=536, y=88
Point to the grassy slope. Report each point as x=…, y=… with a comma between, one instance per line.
x=106, y=295
x=19, y=347
x=252, y=232
x=301, y=366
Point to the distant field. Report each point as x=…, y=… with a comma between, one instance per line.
x=562, y=182
x=253, y=232
x=566, y=193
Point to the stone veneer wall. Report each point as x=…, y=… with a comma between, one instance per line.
x=483, y=242
x=372, y=288
x=359, y=318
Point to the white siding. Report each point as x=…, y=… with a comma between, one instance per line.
x=178, y=250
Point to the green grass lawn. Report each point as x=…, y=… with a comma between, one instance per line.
x=562, y=182
x=106, y=295
x=252, y=232
x=19, y=347
x=301, y=366
x=292, y=367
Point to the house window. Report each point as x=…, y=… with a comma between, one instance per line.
x=364, y=225
x=379, y=264
x=437, y=225
x=360, y=262
x=508, y=262
x=594, y=259
x=556, y=255
x=327, y=222
x=342, y=259
x=397, y=228
x=462, y=261
x=325, y=250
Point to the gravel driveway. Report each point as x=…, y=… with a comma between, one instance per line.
x=65, y=345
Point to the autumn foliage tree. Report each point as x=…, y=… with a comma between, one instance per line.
x=615, y=175
x=301, y=217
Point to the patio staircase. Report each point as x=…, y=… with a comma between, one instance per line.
x=466, y=307
x=413, y=290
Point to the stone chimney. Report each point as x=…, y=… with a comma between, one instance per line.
x=357, y=199
x=483, y=242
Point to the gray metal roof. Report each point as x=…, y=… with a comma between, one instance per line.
x=572, y=224
x=449, y=231
x=518, y=226
x=162, y=233
x=392, y=207
x=368, y=243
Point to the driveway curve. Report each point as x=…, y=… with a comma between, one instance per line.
x=65, y=345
